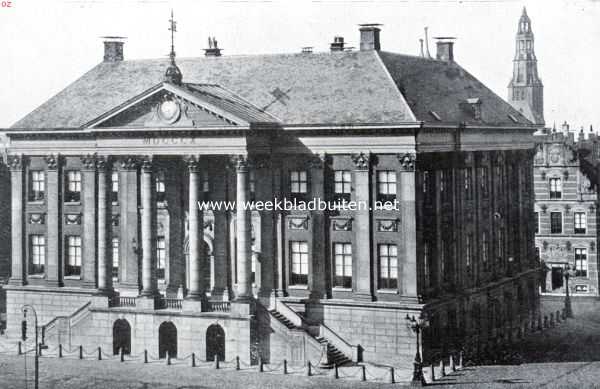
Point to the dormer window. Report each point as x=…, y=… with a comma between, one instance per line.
x=472, y=106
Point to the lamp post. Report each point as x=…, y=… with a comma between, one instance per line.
x=417, y=325
x=568, y=308
x=25, y=309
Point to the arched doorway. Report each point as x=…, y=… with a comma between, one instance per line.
x=215, y=342
x=167, y=340
x=121, y=337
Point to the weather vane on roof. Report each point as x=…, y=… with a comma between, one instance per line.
x=173, y=29
x=173, y=74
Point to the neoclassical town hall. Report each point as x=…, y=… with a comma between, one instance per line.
x=108, y=242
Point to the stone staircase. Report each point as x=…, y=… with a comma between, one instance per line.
x=293, y=321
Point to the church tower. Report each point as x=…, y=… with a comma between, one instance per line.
x=525, y=91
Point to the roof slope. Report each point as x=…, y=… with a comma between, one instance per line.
x=441, y=86
x=359, y=87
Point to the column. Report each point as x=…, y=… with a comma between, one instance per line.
x=104, y=255
x=54, y=270
x=243, y=233
x=19, y=264
x=130, y=242
x=279, y=238
x=221, y=243
x=263, y=239
x=363, y=287
x=196, y=232
x=408, y=273
x=88, y=170
x=149, y=286
x=320, y=239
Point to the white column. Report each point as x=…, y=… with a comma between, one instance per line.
x=149, y=286
x=243, y=232
x=197, y=287
x=18, y=269
x=104, y=274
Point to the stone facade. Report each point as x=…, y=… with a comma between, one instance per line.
x=107, y=233
x=566, y=211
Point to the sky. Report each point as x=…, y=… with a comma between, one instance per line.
x=47, y=44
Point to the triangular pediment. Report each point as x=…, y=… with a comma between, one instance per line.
x=189, y=105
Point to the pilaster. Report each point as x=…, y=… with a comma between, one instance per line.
x=362, y=274
x=408, y=271
x=89, y=221
x=54, y=272
x=18, y=265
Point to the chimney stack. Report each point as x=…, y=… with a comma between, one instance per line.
x=445, y=48
x=113, y=48
x=337, y=44
x=369, y=37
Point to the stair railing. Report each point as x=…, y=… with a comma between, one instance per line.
x=339, y=343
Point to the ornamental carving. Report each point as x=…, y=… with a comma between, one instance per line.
x=566, y=175
x=298, y=223
x=544, y=207
x=567, y=208
x=129, y=163
x=115, y=220
x=499, y=160
x=361, y=161
x=51, y=161
x=101, y=162
x=15, y=162
x=147, y=163
x=209, y=225
x=342, y=224
x=192, y=163
x=387, y=225
x=37, y=218
x=484, y=158
x=240, y=162
x=543, y=175
x=468, y=159
x=72, y=219
x=88, y=162
x=407, y=161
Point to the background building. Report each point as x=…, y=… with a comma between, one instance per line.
x=109, y=244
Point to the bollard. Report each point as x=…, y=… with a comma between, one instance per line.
x=558, y=316
x=460, y=360
x=393, y=374
x=99, y=353
x=309, y=369
x=19, y=349
x=336, y=373
x=145, y=356
x=260, y=365
x=168, y=358
x=237, y=363
x=442, y=368
x=60, y=351
x=193, y=359
x=451, y=363
x=432, y=371
x=80, y=352
x=285, y=371
x=216, y=362
x=121, y=355
x=364, y=373
x=564, y=314
x=545, y=321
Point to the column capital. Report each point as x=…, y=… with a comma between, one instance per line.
x=102, y=162
x=15, y=162
x=88, y=162
x=146, y=164
x=193, y=163
x=362, y=161
x=318, y=161
x=129, y=162
x=240, y=162
x=52, y=161
x=407, y=161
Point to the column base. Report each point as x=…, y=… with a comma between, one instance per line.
x=16, y=281
x=218, y=294
x=54, y=283
x=363, y=297
x=88, y=284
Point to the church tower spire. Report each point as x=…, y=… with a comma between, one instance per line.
x=525, y=90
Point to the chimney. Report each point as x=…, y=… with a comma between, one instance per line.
x=445, y=48
x=113, y=48
x=337, y=44
x=213, y=48
x=581, y=136
x=369, y=36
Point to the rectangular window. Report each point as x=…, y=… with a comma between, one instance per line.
x=581, y=265
x=73, y=186
x=426, y=266
x=537, y=222
x=37, y=185
x=483, y=180
x=161, y=194
x=555, y=188
x=114, y=187
x=580, y=223
x=342, y=185
x=73, y=260
x=115, y=259
x=161, y=254
x=299, y=260
x=37, y=254
x=298, y=182
x=386, y=185
x=556, y=222
x=467, y=177
x=484, y=249
x=343, y=265
x=388, y=266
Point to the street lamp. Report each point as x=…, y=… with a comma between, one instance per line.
x=568, y=309
x=417, y=325
x=25, y=308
